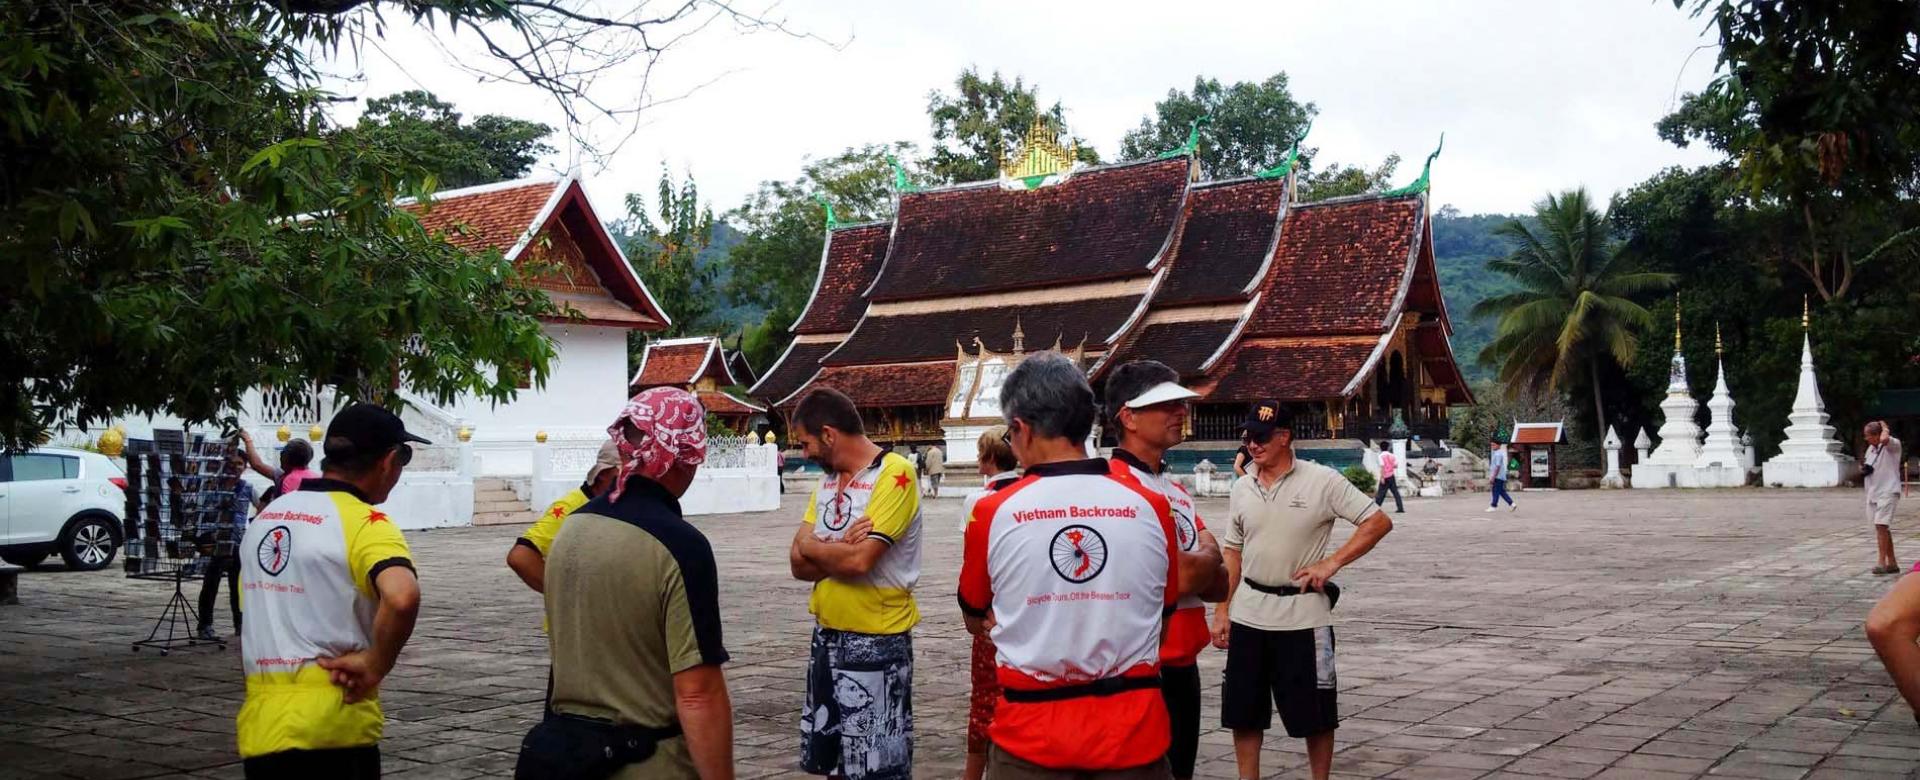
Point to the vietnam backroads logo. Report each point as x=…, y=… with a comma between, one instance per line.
x=1078, y=553
x=276, y=548
x=1183, y=527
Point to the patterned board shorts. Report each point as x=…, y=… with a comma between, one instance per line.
x=858, y=720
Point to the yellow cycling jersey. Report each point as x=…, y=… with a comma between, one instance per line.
x=548, y=526
x=308, y=563
x=887, y=492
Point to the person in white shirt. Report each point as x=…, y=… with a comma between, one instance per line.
x=1389, y=468
x=1880, y=475
x=1497, y=476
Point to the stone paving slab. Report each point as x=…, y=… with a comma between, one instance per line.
x=1588, y=635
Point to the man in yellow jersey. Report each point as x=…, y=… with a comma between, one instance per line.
x=528, y=556
x=860, y=547
x=331, y=598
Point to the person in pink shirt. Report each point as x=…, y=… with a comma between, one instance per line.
x=1389, y=468
x=294, y=461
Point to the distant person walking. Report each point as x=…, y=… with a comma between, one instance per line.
x=1497, y=476
x=1389, y=469
x=1880, y=474
x=936, y=467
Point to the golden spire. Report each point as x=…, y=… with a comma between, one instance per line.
x=1717, y=350
x=1676, y=326
x=1803, y=313
x=1041, y=153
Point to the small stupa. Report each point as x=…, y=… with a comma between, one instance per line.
x=1811, y=456
x=1671, y=464
x=1719, y=461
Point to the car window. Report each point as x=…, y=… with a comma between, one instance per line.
x=28, y=468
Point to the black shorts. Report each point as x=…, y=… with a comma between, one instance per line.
x=1294, y=667
x=356, y=763
x=1180, y=687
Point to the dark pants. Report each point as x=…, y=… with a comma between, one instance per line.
x=1500, y=492
x=1180, y=687
x=210, y=589
x=360, y=763
x=1389, y=485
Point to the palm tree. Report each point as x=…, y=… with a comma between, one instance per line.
x=1575, y=304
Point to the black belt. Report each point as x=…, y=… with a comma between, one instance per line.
x=1103, y=687
x=1332, y=590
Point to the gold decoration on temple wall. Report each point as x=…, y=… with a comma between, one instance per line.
x=540, y=437
x=314, y=433
x=283, y=434
x=113, y=442
x=465, y=434
x=1041, y=153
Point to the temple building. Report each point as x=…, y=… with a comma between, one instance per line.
x=699, y=365
x=1332, y=307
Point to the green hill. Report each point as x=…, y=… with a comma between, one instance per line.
x=1462, y=245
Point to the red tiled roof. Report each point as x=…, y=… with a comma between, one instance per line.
x=891, y=385
x=797, y=365
x=1536, y=433
x=1338, y=267
x=1183, y=346
x=726, y=405
x=1289, y=369
x=504, y=215
x=1227, y=236
x=912, y=337
x=675, y=363
x=741, y=369
x=1101, y=223
x=853, y=257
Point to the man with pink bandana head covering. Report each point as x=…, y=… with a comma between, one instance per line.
x=633, y=596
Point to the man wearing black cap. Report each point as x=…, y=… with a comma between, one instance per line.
x=1278, y=629
x=331, y=598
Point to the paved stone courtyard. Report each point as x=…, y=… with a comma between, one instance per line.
x=1590, y=634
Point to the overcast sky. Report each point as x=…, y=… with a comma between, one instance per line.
x=1534, y=95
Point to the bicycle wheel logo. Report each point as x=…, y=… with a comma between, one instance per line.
x=276, y=548
x=1079, y=553
x=1183, y=528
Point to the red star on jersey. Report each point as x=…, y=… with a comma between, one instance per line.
x=557, y=512
x=376, y=516
x=902, y=480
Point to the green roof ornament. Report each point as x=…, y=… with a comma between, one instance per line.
x=828, y=205
x=900, y=183
x=1419, y=185
x=1286, y=166
x=1193, y=139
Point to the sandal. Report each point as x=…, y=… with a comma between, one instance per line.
x=1883, y=570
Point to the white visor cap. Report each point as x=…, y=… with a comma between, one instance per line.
x=1161, y=393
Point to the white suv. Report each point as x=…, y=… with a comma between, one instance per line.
x=60, y=500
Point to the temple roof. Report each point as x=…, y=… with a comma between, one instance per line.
x=1225, y=241
x=1099, y=223
x=791, y=372
x=591, y=277
x=907, y=337
x=1290, y=369
x=721, y=403
x=1183, y=346
x=1341, y=267
x=848, y=263
x=916, y=384
x=682, y=362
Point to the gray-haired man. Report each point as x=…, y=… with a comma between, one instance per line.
x=1880, y=474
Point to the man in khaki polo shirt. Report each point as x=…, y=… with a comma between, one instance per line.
x=1278, y=628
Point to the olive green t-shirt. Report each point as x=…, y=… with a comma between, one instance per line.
x=1282, y=529
x=630, y=607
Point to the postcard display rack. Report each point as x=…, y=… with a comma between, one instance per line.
x=177, y=518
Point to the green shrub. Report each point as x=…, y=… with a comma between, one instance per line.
x=1360, y=477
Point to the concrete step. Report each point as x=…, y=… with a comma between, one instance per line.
x=511, y=505
x=502, y=518
x=496, y=495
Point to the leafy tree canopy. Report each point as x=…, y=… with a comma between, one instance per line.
x=663, y=247
x=1251, y=126
x=984, y=118
x=418, y=125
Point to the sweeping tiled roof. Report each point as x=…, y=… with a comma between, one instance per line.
x=726, y=404
x=1289, y=369
x=1339, y=267
x=1226, y=239
x=795, y=366
x=1101, y=223
x=681, y=362
x=852, y=257
x=917, y=384
x=1183, y=346
x=741, y=369
x=551, y=222
x=932, y=336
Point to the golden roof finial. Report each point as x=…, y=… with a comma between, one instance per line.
x=1676, y=325
x=1717, y=349
x=1804, y=311
x=1041, y=153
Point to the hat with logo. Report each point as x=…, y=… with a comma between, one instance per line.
x=1265, y=417
x=364, y=429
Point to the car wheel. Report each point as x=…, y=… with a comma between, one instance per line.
x=28, y=560
x=89, y=543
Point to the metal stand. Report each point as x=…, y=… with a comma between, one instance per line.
x=180, y=620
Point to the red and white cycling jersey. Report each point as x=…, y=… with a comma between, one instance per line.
x=1076, y=563
x=1187, y=631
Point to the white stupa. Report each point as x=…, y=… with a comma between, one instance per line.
x=1719, y=461
x=1810, y=456
x=1671, y=464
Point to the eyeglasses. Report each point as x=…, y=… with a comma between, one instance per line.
x=1260, y=438
x=404, y=454
x=1006, y=436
